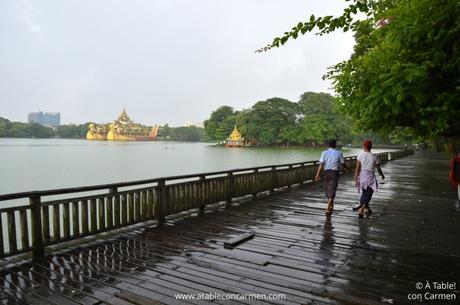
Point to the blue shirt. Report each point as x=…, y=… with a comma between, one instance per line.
x=332, y=158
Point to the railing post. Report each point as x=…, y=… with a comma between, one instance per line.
x=289, y=176
x=273, y=170
x=231, y=185
x=203, y=195
x=37, y=233
x=254, y=186
x=162, y=201
x=111, y=206
x=302, y=173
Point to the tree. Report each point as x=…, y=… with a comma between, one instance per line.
x=164, y=132
x=220, y=124
x=310, y=121
x=187, y=134
x=401, y=135
x=405, y=70
x=24, y=130
x=72, y=131
x=273, y=121
x=242, y=122
x=320, y=121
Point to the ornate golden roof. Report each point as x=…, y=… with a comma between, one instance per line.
x=235, y=135
x=122, y=129
x=124, y=118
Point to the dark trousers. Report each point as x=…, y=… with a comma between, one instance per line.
x=366, y=196
x=332, y=181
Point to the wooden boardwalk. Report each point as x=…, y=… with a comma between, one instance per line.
x=412, y=236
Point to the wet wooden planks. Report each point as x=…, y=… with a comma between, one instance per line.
x=280, y=244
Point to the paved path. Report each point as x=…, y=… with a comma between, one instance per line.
x=412, y=236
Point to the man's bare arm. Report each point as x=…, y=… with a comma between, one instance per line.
x=320, y=168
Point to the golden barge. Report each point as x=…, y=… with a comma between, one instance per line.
x=122, y=129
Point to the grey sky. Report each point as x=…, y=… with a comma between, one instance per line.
x=166, y=61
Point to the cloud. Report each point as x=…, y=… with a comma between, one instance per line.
x=29, y=11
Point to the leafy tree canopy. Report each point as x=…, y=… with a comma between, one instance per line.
x=320, y=121
x=277, y=121
x=24, y=130
x=405, y=70
x=184, y=134
x=273, y=121
x=72, y=131
x=221, y=123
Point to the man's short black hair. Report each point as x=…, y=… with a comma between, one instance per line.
x=332, y=143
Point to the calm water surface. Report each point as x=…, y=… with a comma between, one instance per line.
x=38, y=164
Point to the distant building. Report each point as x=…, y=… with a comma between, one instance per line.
x=49, y=119
x=194, y=124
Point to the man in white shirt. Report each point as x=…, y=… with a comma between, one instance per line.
x=331, y=161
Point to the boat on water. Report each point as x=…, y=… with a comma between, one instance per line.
x=122, y=129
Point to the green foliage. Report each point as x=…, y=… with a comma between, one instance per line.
x=221, y=123
x=242, y=120
x=410, y=75
x=311, y=121
x=164, y=132
x=327, y=24
x=185, y=134
x=72, y=131
x=321, y=121
x=402, y=135
x=10, y=129
x=404, y=74
x=23, y=130
x=277, y=121
x=273, y=121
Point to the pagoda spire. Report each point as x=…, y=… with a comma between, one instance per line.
x=235, y=139
x=124, y=117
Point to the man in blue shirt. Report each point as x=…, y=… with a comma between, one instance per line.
x=331, y=161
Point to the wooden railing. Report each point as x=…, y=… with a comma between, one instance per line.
x=42, y=222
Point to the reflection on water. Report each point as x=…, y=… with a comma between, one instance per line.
x=363, y=226
x=326, y=250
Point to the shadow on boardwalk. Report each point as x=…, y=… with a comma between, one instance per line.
x=411, y=237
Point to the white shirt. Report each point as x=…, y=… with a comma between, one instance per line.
x=332, y=158
x=368, y=160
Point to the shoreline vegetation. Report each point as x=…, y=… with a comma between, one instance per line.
x=20, y=130
x=9, y=129
x=310, y=122
x=275, y=122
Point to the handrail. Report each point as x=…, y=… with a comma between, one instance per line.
x=60, y=220
x=82, y=189
x=90, y=188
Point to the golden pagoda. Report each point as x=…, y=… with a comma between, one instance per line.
x=235, y=139
x=122, y=129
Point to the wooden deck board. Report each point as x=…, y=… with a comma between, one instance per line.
x=412, y=236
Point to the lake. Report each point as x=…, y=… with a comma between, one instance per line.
x=39, y=164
